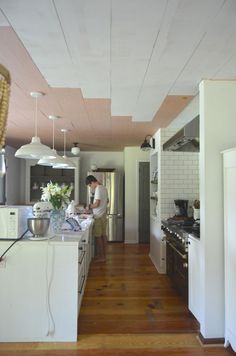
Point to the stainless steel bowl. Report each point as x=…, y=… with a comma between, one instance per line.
x=38, y=226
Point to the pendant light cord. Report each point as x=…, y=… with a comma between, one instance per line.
x=53, y=133
x=64, y=143
x=36, y=118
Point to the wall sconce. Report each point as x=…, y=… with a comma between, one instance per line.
x=145, y=146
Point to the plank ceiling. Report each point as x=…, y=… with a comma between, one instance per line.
x=113, y=70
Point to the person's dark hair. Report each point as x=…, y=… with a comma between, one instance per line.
x=90, y=179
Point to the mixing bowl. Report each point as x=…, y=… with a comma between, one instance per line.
x=38, y=226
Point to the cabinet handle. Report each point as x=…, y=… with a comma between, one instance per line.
x=185, y=265
x=80, y=248
x=80, y=261
x=82, y=285
x=83, y=240
x=183, y=256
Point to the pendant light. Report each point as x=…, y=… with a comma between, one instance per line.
x=69, y=163
x=35, y=149
x=75, y=150
x=2, y=163
x=58, y=159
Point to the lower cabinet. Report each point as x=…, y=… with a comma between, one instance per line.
x=48, y=279
x=194, y=298
x=230, y=246
x=85, y=254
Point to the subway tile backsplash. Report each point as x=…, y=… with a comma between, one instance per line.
x=179, y=177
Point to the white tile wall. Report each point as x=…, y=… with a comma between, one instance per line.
x=179, y=177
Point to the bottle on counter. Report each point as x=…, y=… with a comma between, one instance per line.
x=70, y=211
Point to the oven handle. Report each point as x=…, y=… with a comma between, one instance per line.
x=184, y=257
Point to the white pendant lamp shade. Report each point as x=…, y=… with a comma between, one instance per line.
x=35, y=149
x=44, y=161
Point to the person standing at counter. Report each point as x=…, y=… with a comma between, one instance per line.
x=99, y=208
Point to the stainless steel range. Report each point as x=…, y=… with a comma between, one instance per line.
x=177, y=232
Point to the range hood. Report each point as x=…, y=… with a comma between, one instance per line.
x=186, y=139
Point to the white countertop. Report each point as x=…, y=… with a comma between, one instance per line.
x=67, y=237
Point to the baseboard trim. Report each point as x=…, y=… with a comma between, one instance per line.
x=159, y=271
x=209, y=341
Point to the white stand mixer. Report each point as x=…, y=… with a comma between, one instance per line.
x=39, y=224
x=42, y=209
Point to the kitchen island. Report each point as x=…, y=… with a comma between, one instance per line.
x=42, y=284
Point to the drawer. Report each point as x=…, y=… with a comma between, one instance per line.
x=85, y=238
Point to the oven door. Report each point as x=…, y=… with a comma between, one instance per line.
x=177, y=269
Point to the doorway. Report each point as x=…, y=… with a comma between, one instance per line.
x=144, y=203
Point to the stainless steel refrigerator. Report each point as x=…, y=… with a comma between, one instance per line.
x=113, y=181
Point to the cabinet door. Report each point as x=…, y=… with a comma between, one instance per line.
x=230, y=250
x=194, y=302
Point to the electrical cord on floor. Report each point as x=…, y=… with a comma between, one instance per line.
x=49, y=280
x=20, y=238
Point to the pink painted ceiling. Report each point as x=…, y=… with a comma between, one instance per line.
x=89, y=121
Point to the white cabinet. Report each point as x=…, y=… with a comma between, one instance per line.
x=38, y=176
x=194, y=292
x=229, y=159
x=48, y=279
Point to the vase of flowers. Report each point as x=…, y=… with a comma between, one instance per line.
x=58, y=196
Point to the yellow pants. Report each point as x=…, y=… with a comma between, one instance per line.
x=100, y=225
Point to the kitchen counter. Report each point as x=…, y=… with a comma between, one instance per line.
x=43, y=283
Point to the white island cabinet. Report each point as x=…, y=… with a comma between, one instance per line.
x=194, y=281
x=42, y=283
x=229, y=162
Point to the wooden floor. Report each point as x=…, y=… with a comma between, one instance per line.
x=127, y=293
x=127, y=309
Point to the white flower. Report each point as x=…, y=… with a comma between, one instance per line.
x=56, y=195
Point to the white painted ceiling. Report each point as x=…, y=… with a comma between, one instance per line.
x=142, y=59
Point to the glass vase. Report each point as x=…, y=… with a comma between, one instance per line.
x=57, y=219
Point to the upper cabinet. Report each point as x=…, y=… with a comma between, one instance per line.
x=38, y=176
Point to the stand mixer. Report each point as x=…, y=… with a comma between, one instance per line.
x=39, y=224
x=41, y=209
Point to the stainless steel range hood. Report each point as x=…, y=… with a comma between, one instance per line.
x=186, y=139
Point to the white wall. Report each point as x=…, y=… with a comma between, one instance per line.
x=217, y=133
x=102, y=160
x=132, y=155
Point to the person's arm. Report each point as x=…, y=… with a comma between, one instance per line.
x=95, y=204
